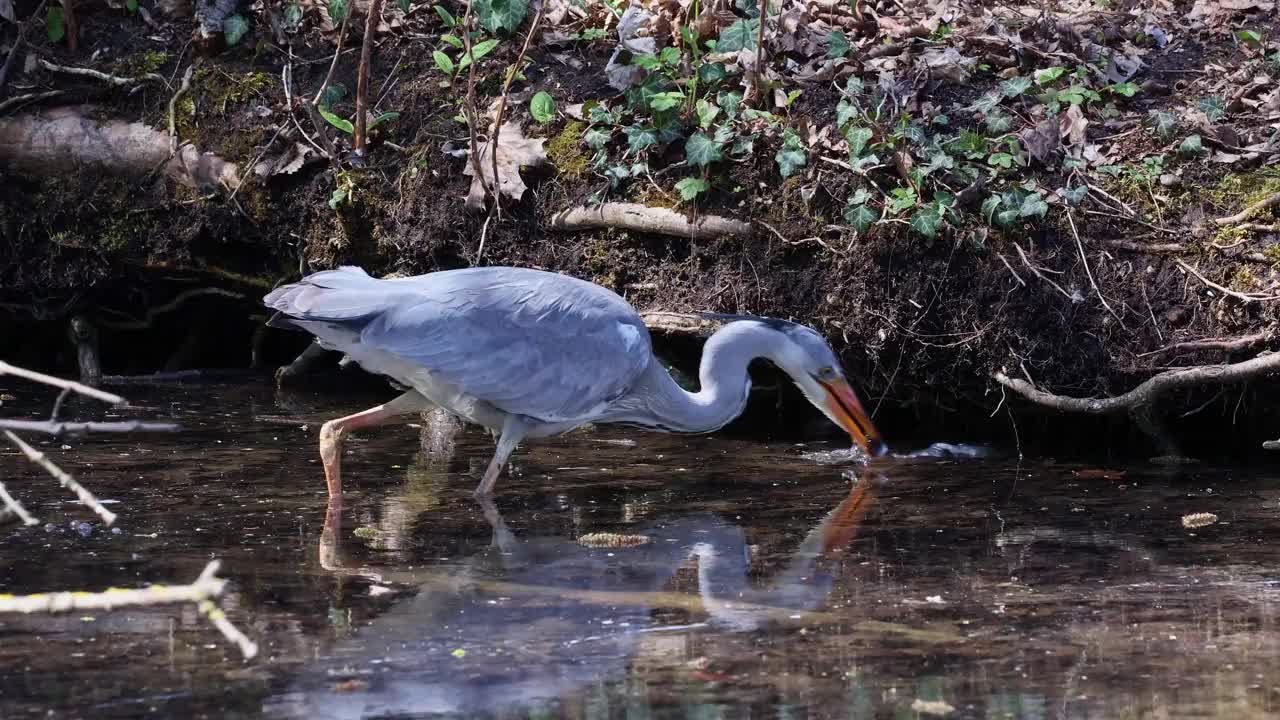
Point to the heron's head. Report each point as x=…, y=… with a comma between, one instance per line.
x=812, y=364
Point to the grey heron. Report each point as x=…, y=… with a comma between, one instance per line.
x=529, y=354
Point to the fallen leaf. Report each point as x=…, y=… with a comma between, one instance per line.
x=288, y=162
x=515, y=151
x=1073, y=125
x=1042, y=140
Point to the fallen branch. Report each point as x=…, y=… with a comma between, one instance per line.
x=17, y=100
x=201, y=593
x=104, y=77
x=641, y=218
x=12, y=506
x=73, y=386
x=62, y=477
x=1263, y=204
x=1145, y=394
x=674, y=323
x=76, y=429
x=1243, y=297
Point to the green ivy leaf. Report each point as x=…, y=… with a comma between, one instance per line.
x=690, y=188
x=234, y=28
x=837, y=45
x=595, y=138
x=739, y=36
x=646, y=61
x=543, y=107
x=56, y=24
x=131, y=5
x=1007, y=218
x=1165, y=123
x=501, y=15
x=707, y=113
x=730, y=102
x=846, y=111
x=670, y=56
x=332, y=94
x=339, y=197
x=443, y=62
x=1249, y=37
x=997, y=123
x=1015, y=86
x=1048, y=75
x=453, y=40
x=292, y=17
x=1191, y=146
x=343, y=125
x=640, y=138
x=666, y=100
x=1074, y=196
x=902, y=198
x=338, y=10
x=1033, y=205
x=712, y=73
x=989, y=207
x=858, y=137
x=1127, y=89
x=986, y=103
x=743, y=146
x=701, y=150
x=1213, y=108
x=792, y=156
x=861, y=217
x=927, y=221
x=1000, y=159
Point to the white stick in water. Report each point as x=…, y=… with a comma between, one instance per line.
x=58, y=473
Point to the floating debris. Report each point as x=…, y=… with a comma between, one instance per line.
x=1198, y=520
x=939, y=708
x=612, y=540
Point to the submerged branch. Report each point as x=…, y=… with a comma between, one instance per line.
x=50, y=427
x=13, y=507
x=62, y=477
x=7, y=369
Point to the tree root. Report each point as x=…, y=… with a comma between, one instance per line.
x=673, y=323
x=1245, y=214
x=62, y=141
x=641, y=218
x=1227, y=345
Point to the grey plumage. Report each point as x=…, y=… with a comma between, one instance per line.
x=532, y=353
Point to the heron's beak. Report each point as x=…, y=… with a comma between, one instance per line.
x=844, y=406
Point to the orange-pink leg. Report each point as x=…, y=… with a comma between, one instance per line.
x=333, y=432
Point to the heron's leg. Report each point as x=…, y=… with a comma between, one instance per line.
x=513, y=431
x=332, y=433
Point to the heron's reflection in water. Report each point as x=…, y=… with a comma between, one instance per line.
x=525, y=622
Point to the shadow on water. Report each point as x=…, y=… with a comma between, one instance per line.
x=626, y=575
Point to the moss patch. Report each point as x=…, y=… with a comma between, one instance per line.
x=141, y=63
x=565, y=153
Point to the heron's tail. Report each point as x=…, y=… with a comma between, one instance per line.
x=345, y=296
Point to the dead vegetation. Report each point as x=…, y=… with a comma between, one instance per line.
x=1084, y=192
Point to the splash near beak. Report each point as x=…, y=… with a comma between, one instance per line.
x=847, y=410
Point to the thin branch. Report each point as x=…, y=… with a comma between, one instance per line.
x=75, y=429
x=248, y=648
x=333, y=65
x=1263, y=204
x=17, y=100
x=502, y=103
x=21, y=40
x=173, y=109
x=1080, y=246
x=764, y=17
x=469, y=109
x=96, y=394
x=1041, y=275
x=359, y=138
x=1228, y=345
x=1243, y=297
x=1146, y=393
x=62, y=477
x=15, y=507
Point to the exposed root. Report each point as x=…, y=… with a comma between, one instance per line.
x=1263, y=204
x=1146, y=394
x=1242, y=297
x=173, y=110
x=641, y=218
x=17, y=100
x=1227, y=345
x=104, y=77
x=674, y=323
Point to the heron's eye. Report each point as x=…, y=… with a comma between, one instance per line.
x=827, y=373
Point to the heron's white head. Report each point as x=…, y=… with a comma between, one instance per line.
x=806, y=356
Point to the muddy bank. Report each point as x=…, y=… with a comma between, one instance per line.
x=1090, y=295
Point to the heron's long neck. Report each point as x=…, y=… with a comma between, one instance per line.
x=657, y=401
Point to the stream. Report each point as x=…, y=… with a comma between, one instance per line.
x=618, y=574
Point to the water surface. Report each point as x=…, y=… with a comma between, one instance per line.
x=628, y=575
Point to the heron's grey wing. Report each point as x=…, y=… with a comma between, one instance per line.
x=533, y=343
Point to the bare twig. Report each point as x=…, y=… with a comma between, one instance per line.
x=76, y=429
x=173, y=109
x=1015, y=274
x=1041, y=275
x=1228, y=345
x=359, y=137
x=1263, y=204
x=512, y=71
x=62, y=477
x=333, y=65
x=1080, y=246
x=1243, y=297
x=469, y=109
x=201, y=592
x=764, y=17
x=96, y=394
x=104, y=77
x=1154, y=248
x=1146, y=393
x=15, y=507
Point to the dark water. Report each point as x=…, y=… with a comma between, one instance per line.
x=742, y=581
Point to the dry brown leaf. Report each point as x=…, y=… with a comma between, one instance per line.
x=1042, y=140
x=1073, y=125
x=515, y=151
